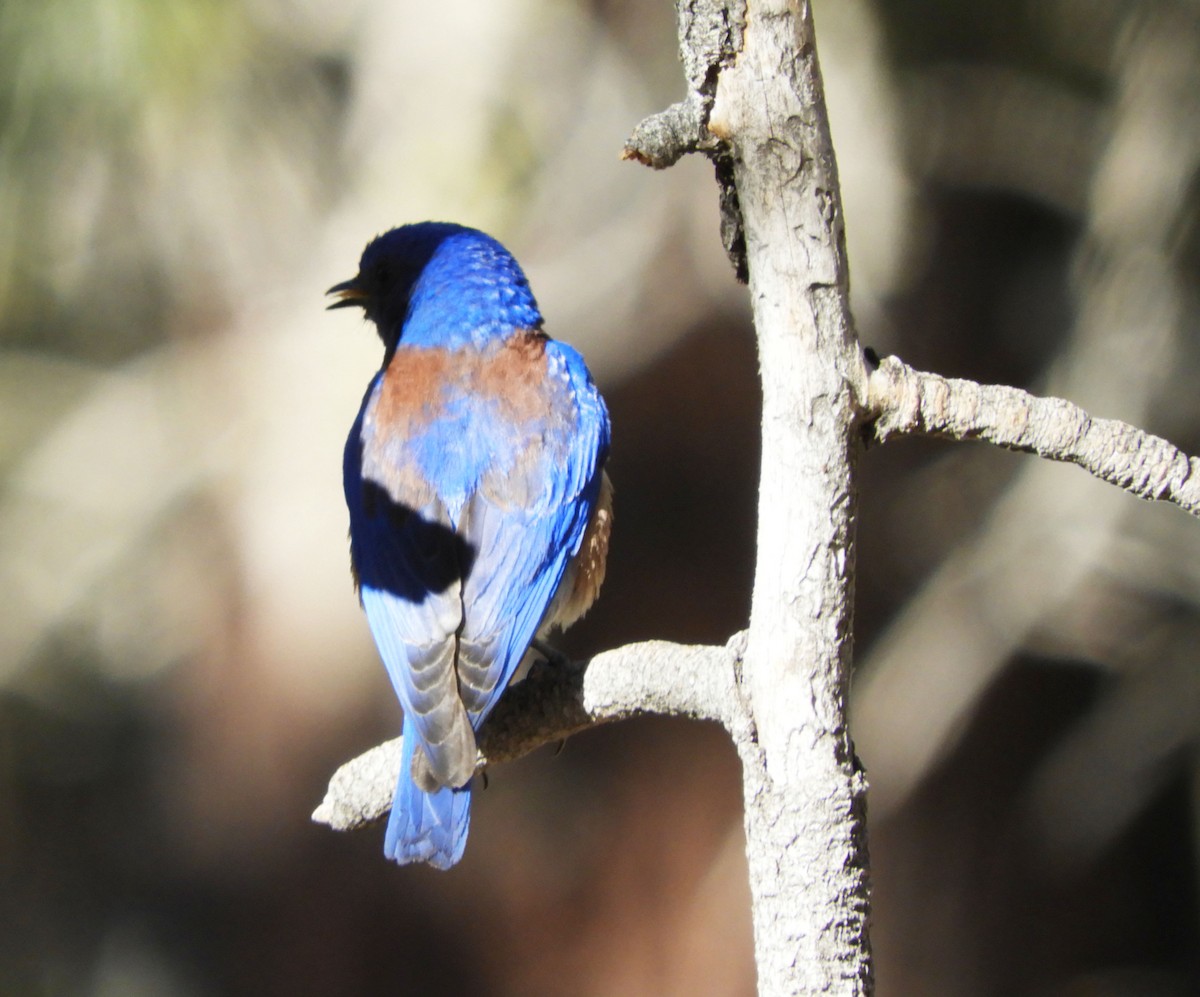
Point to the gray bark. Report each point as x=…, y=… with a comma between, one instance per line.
x=805, y=795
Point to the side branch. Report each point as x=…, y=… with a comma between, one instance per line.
x=710, y=31
x=905, y=401
x=553, y=702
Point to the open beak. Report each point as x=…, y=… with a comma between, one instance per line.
x=349, y=292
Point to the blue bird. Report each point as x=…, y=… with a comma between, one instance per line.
x=479, y=506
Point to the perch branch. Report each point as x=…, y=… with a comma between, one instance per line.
x=654, y=677
x=908, y=402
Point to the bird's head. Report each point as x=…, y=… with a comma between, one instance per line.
x=436, y=284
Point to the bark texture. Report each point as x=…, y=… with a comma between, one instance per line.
x=805, y=794
x=912, y=401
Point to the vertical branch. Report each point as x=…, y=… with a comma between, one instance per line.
x=805, y=797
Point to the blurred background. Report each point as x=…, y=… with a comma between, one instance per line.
x=183, y=662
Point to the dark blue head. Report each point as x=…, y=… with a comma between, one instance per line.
x=439, y=284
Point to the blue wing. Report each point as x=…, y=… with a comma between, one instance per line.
x=410, y=564
x=526, y=523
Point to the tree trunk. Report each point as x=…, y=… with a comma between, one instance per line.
x=805, y=794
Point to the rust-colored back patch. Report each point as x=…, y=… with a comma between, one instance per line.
x=419, y=381
x=412, y=387
x=515, y=375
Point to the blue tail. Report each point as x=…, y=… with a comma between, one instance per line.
x=426, y=827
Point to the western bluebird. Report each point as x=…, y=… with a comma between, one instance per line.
x=479, y=506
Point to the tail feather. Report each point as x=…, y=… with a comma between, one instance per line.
x=426, y=827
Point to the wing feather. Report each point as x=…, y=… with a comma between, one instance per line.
x=526, y=523
x=410, y=564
